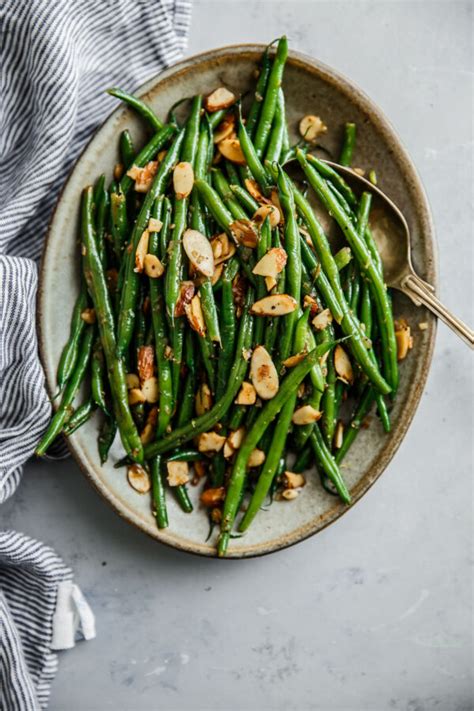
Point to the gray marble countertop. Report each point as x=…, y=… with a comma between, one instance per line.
x=375, y=612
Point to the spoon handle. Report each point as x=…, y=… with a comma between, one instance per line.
x=420, y=293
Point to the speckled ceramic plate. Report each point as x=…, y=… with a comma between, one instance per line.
x=310, y=87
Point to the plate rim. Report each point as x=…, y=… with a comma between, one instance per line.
x=376, y=469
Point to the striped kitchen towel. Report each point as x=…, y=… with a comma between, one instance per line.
x=57, y=56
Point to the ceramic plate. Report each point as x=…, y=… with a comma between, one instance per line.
x=310, y=87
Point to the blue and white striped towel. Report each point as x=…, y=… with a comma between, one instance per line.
x=57, y=57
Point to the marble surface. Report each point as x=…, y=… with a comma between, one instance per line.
x=375, y=612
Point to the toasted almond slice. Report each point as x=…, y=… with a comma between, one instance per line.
x=222, y=248
x=404, y=342
x=178, y=473
x=236, y=438
x=88, y=316
x=199, y=252
x=290, y=494
x=311, y=127
x=275, y=200
x=199, y=469
x=145, y=362
x=228, y=451
x=244, y=233
x=203, y=400
x=274, y=305
x=132, y=381
x=220, y=98
x=135, y=396
x=305, y=415
x=272, y=263
x=150, y=389
x=154, y=225
x=148, y=433
x=270, y=283
x=270, y=211
x=153, y=267
x=293, y=480
x=217, y=274
x=187, y=290
x=138, y=479
x=246, y=354
x=230, y=149
x=141, y=252
x=339, y=435
x=322, y=320
x=359, y=171
x=263, y=374
x=294, y=359
x=118, y=171
x=257, y=457
x=216, y=515
x=255, y=192
x=311, y=302
x=225, y=128
x=342, y=365
x=195, y=316
x=247, y=394
x=143, y=177
x=301, y=390
x=212, y=497
x=210, y=442
x=183, y=180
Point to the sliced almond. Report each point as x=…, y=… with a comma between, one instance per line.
x=143, y=177
x=247, y=394
x=186, y=293
x=263, y=374
x=217, y=274
x=293, y=480
x=230, y=149
x=311, y=127
x=138, y=479
x=322, y=320
x=225, y=128
x=178, y=473
x=132, y=381
x=305, y=415
x=338, y=435
x=145, y=362
x=141, y=251
x=210, y=442
x=272, y=263
x=153, y=267
x=270, y=283
x=290, y=494
x=212, y=497
x=183, y=180
x=118, y=171
x=275, y=200
x=199, y=251
x=228, y=451
x=88, y=316
x=239, y=289
x=404, y=341
x=195, y=316
x=151, y=390
x=256, y=459
x=270, y=211
x=254, y=190
x=222, y=248
x=148, y=433
x=311, y=302
x=154, y=225
x=220, y=98
x=294, y=359
x=135, y=396
x=203, y=400
x=274, y=305
x=359, y=171
x=236, y=438
x=342, y=365
x=244, y=233
x=301, y=392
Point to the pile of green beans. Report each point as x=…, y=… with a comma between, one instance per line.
x=164, y=352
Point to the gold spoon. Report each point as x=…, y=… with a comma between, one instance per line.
x=391, y=232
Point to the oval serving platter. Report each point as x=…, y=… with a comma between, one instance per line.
x=310, y=87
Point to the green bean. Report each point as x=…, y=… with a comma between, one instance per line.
x=139, y=105
x=127, y=151
x=328, y=464
x=147, y=153
x=97, y=285
x=275, y=144
x=251, y=156
x=328, y=419
x=70, y=351
x=263, y=245
x=320, y=279
x=80, y=416
x=101, y=205
x=343, y=257
x=303, y=460
x=245, y=199
x=268, y=413
x=352, y=431
x=205, y=422
x=106, y=437
x=98, y=376
x=368, y=268
x=131, y=278
x=337, y=180
x=185, y=455
x=118, y=221
x=349, y=144
x=209, y=311
x=222, y=187
x=64, y=410
x=233, y=176
x=182, y=496
x=271, y=97
x=207, y=356
x=215, y=118
x=158, y=492
x=215, y=205
x=256, y=106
